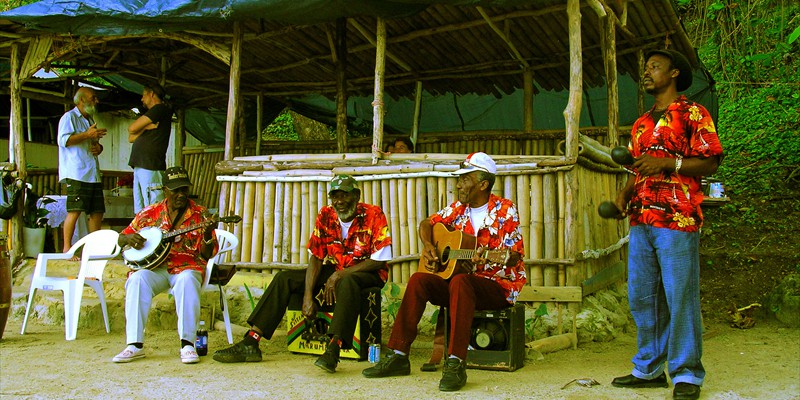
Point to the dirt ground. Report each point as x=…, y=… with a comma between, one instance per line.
x=747, y=247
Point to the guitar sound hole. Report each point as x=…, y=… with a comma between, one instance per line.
x=445, y=256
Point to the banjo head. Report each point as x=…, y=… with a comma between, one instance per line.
x=133, y=257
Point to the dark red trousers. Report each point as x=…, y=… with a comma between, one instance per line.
x=460, y=294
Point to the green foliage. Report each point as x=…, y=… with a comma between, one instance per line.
x=751, y=49
x=391, y=299
x=530, y=323
x=250, y=297
x=9, y=4
x=282, y=128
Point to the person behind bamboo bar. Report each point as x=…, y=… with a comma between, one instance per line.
x=348, y=250
x=403, y=145
x=674, y=145
x=150, y=137
x=487, y=286
x=78, y=166
x=182, y=271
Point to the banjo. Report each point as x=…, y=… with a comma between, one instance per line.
x=158, y=243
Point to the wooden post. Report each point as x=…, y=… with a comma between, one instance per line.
x=610, y=50
x=377, y=104
x=233, y=107
x=527, y=100
x=259, y=121
x=417, y=113
x=639, y=91
x=340, y=60
x=572, y=119
x=572, y=114
x=180, y=136
x=16, y=149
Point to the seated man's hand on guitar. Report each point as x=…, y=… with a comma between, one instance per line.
x=134, y=240
x=431, y=257
x=478, y=258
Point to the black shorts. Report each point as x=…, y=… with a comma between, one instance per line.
x=85, y=196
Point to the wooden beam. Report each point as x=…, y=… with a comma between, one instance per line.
x=417, y=113
x=604, y=278
x=233, y=91
x=259, y=121
x=16, y=150
x=544, y=294
x=503, y=37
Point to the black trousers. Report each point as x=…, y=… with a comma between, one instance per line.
x=272, y=306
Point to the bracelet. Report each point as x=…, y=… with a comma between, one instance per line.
x=678, y=164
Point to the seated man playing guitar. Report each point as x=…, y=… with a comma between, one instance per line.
x=181, y=269
x=481, y=281
x=348, y=250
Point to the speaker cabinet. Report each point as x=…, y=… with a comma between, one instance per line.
x=497, y=341
x=311, y=338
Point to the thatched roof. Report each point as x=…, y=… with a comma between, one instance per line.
x=449, y=47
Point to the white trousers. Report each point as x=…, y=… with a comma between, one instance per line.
x=142, y=285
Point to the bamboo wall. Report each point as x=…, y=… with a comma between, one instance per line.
x=45, y=181
x=199, y=163
x=279, y=208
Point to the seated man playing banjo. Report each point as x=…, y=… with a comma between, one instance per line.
x=177, y=262
x=348, y=248
x=492, y=266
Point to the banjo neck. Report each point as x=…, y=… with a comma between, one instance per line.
x=172, y=234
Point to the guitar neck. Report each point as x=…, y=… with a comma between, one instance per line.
x=466, y=254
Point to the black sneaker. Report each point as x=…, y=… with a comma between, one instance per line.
x=239, y=352
x=454, y=375
x=392, y=365
x=329, y=359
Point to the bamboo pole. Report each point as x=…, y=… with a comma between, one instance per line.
x=403, y=205
x=306, y=214
x=296, y=215
x=259, y=121
x=247, y=236
x=524, y=209
x=550, y=227
x=394, y=225
x=277, y=228
x=610, y=50
x=286, y=234
x=377, y=104
x=257, y=249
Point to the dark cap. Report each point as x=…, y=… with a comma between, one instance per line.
x=176, y=177
x=680, y=63
x=345, y=183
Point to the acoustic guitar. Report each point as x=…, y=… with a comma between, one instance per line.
x=158, y=243
x=452, y=247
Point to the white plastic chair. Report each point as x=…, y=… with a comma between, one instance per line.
x=227, y=242
x=98, y=247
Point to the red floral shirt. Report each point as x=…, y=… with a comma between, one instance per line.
x=185, y=251
x=672, y=200
x=500, y=231
x=368, y=233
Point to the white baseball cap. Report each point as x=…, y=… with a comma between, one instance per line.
x=477, y=162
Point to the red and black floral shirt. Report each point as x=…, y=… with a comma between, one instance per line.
x=368, y=233
x=672, y=200
x=500, y=231
x=185, y=251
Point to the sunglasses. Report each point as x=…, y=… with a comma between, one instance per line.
x=467, y=164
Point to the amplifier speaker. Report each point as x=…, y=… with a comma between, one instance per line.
x=497, y=341
x=311, y=338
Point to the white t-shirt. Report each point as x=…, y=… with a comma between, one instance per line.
x=477, y=216
x=384, y=254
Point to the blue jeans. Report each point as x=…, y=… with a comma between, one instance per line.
x=664, y=295
x=146, y=188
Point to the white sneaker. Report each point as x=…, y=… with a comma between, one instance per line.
x=189, y=355
x=129, y=354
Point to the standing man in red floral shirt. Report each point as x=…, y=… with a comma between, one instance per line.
x=488, y=286
x=349, y=249
x=674, y=145
x=182, y=271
